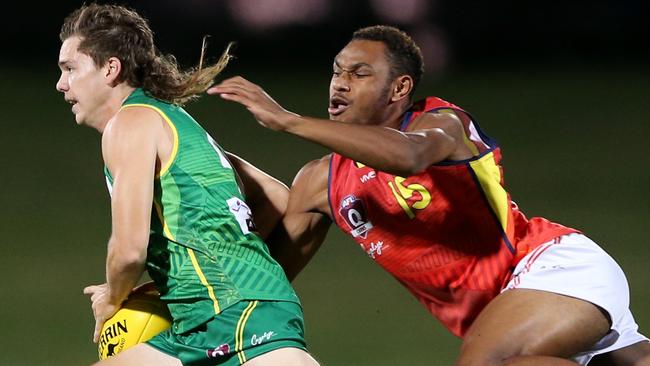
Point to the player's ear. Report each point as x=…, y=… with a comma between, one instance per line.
x=113, y=69
x=402, y=87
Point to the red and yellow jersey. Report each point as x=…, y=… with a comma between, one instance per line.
x=450, y=234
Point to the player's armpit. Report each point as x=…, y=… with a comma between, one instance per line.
x=306, y=221
x=266, y=196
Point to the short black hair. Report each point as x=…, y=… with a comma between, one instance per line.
x=404, y=55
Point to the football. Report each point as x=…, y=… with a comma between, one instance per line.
x=142, y=316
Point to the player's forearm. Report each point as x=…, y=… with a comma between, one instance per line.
x=382, y=148
x=124, y=267
x=296, y=240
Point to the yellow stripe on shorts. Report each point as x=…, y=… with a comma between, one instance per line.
x=239, y=331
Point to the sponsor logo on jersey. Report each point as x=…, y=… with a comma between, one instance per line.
x=257, y=340
x=243, y=214
x=354, y=214
x=375, y=249
x=368, y=176
x=222, y=350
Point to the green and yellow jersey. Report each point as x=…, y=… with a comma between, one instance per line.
x=203, y=254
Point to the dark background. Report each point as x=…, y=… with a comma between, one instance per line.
x=563, y=86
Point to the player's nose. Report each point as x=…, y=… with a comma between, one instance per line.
x=340, y=84
x=62, y=84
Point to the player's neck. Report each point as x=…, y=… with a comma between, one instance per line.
x=113, y=105
x=394, y=115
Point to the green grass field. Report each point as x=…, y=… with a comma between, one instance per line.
x=575, y=151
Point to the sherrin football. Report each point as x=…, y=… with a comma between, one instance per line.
x=142, y=316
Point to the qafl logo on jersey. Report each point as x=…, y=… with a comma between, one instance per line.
x=354, y=214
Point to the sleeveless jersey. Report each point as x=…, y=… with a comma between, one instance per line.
x=450, y=234
x=203, y=253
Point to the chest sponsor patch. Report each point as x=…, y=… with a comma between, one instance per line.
x=353, y=213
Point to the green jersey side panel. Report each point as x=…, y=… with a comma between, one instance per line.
x=203, y=253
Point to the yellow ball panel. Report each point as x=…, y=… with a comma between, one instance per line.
x=141, y=317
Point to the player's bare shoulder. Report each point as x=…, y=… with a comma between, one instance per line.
x=314, y=170
x=139, y=127
x=132, y=120
x=309, y=188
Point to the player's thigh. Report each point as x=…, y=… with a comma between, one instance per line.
x=532, y=322
x=140, y=355
x=288, y=356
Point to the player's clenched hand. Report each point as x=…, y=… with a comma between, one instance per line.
x=103, y=309
x=265, y=110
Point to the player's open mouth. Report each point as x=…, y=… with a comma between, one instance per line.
x=73, y=102
x=337, y=105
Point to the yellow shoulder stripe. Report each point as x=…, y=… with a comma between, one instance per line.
x=489, y=177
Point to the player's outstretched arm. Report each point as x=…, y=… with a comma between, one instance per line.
x=129, y=147
x=306, y=221
x=266, y=196
x=436, y=138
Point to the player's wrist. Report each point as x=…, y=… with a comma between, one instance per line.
x=292, y=123
x=114, y=297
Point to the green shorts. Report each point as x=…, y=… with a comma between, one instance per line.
x=239, y=333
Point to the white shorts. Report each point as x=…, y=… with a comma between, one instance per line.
x=573, y=265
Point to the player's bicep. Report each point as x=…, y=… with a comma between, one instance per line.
x=294, y=242
x=130, y=151
x=442, y=134
x=306, y=221
x=309, y=189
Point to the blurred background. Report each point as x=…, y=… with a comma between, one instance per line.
x=563, y=86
